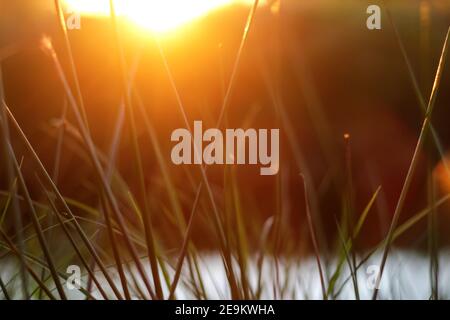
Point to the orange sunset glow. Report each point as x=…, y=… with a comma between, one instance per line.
x=154, y=15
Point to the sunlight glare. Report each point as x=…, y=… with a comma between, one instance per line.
x=155, y=15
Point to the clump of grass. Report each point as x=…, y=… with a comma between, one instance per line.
x=414, y=161
x=114, y=240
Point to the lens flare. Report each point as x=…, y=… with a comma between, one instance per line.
x=155, y=15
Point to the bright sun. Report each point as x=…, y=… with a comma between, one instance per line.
x=155, y=15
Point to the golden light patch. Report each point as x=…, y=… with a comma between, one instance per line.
x=442, y=175
x=155, y=15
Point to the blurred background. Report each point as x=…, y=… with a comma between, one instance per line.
x=310, y=68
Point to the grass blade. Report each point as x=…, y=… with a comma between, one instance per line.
x=146, y=217
x=61, y=199
x=415, y=158
x=312, y=233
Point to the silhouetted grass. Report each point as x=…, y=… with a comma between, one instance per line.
x=115, y=240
